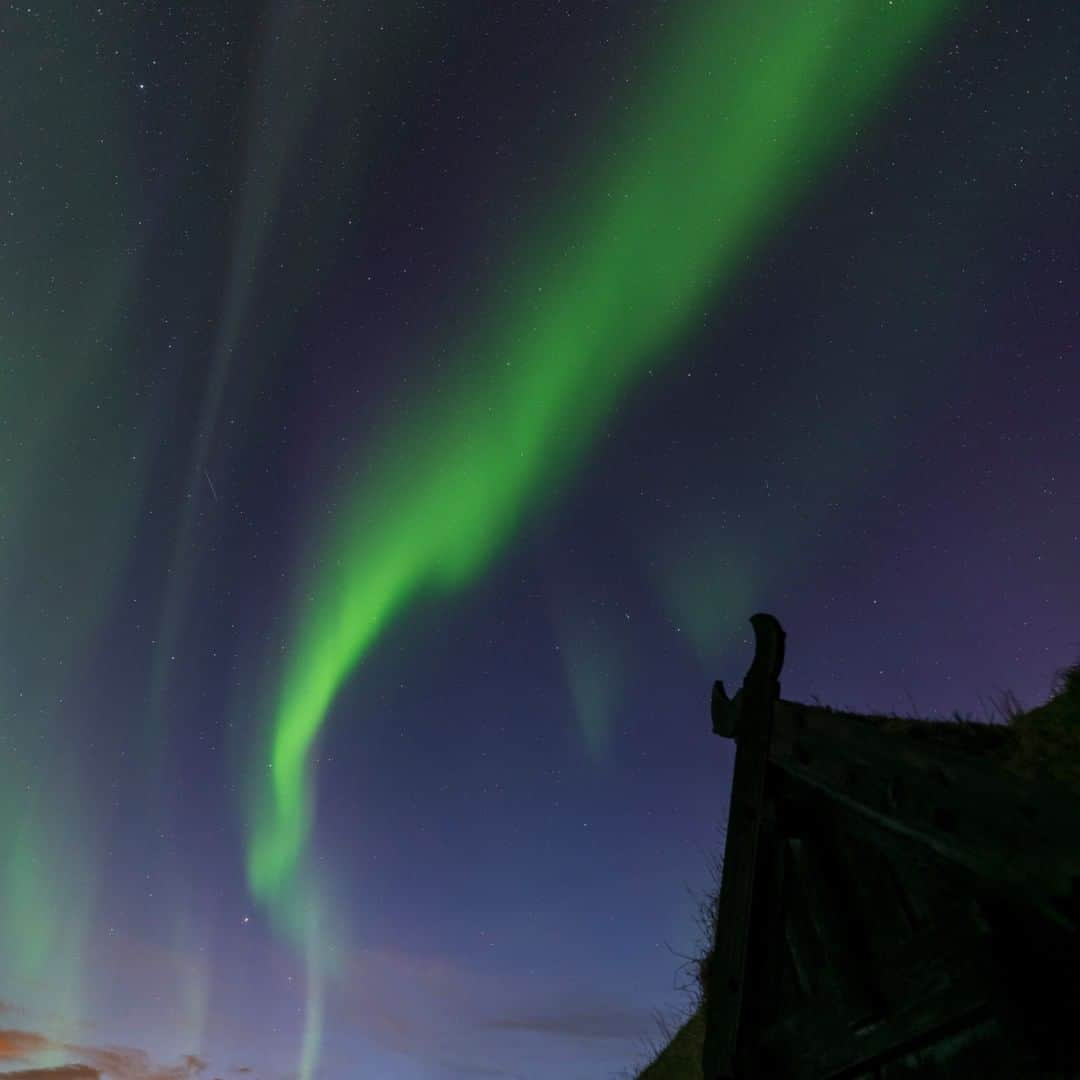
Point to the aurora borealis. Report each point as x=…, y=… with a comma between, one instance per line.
x=651, y=234
x=403, y=411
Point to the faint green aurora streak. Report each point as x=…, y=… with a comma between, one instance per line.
x=74, y=447
x=293, y=60
x=296, y=107
x=748, y=101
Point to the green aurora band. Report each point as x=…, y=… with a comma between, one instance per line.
x=74, y=447
x=748, y=103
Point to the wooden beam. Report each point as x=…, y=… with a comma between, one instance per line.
x=726, y=977
x=942, y=982
x=1016, y=835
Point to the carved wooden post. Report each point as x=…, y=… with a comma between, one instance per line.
x=748, y=719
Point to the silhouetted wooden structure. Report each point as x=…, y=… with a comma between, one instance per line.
x=890, y=906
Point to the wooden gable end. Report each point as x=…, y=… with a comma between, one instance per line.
x=888, y=907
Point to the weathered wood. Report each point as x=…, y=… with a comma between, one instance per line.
x=844, y=976
x=926, y=885
x=762, y=959
x=821, y=1041
x=725, y=983
x=972, y=1050
x=891, y=906
x=881, y=898
x=802, y=930
x=777, y=884
x=1035, y=987
x=970, y=813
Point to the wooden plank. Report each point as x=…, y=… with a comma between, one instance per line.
x=1036, y=989
x=974, y=1050
x=957, y=935
x=930, y=959
x=869, y=869
x=969, y=812
x=802, y=931
x=880, y=897
x=764, y=953
x=726, y=979
x=776, y=952
x=927, y=885
x=845, y=975
x=816, y=1042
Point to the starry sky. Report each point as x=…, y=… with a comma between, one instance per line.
x=405, y=405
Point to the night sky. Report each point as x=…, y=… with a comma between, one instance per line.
x=403, y=408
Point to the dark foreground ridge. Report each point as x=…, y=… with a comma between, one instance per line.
x=900, y=897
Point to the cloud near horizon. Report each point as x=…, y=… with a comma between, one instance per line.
x=109, y=1063
x=19, y=1045
x=58, y=1072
